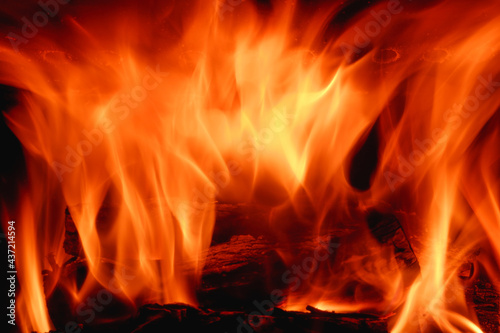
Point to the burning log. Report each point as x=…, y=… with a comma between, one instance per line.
x=184, y=318
x=236, y=272
x=243, y=262
x=152, y=318
x=240, y=219
x=485, y=300
x=386, y=228
x=72, y=245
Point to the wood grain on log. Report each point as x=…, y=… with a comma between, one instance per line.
x=485, y=300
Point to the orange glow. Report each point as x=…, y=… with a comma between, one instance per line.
x=160, y=113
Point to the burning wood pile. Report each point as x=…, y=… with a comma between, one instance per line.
x=237, y=284
x=238, y=279
x=252, y=166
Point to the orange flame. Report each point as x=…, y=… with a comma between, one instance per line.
x=160, y=111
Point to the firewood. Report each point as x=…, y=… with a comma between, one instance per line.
x=185, y=318
x=244, y=261
x=485, y=300
x=71, y=245
x=386, y=228
x=249, y=219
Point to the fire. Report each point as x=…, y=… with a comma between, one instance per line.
x=160, y=112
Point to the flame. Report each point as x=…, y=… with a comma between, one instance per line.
x=158, y=112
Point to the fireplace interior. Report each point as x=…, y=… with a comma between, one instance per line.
x=251, y=165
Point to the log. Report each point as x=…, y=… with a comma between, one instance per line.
x=249, y=219
x=71, y=245
x=485, y=300
x=184, y=318
x=180, y=318
x=245, y=262
x=246, y=268
x=386, y=229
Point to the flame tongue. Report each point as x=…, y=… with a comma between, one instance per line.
x=157, y=121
